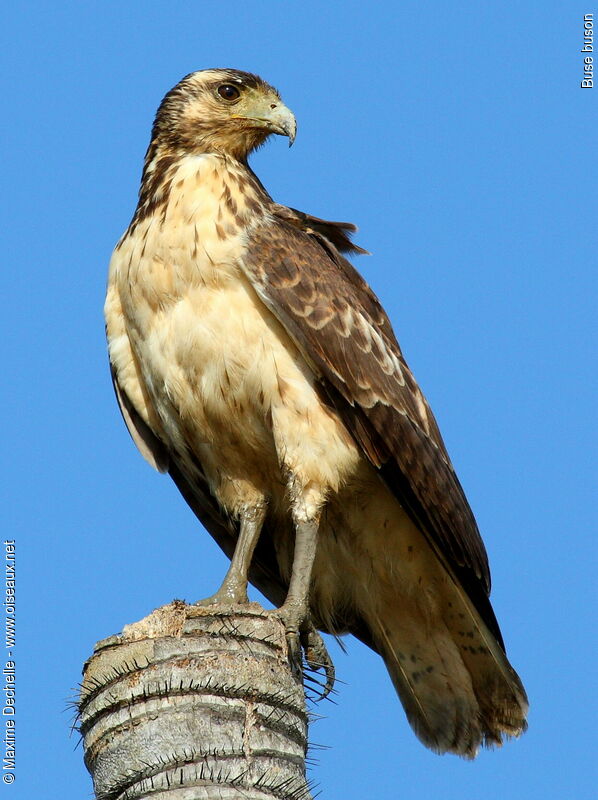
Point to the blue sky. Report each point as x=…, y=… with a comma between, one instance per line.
x=459, y=140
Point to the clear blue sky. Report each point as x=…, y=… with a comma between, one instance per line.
x=457, y=137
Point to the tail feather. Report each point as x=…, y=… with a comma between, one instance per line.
x=456, y=685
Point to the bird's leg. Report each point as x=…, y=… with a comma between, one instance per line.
x=300, y=631
x=295, y=610
x=234, y=585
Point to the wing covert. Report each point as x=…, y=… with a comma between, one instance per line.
x=346, y=337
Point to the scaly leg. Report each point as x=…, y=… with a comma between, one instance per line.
x=234, y=585
x=295, y=609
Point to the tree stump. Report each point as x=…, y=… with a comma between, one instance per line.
x=195, y=703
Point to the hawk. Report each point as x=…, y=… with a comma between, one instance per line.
x=255, y=365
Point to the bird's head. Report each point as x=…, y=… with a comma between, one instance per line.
x=221, y=110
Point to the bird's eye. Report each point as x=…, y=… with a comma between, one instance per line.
x=229, y=92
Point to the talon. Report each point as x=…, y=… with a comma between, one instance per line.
x=317, y=658
x=295, y=654
x=292, y=616
x=303, y=638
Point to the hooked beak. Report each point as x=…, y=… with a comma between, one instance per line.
x=283, y=122
x=279, y=120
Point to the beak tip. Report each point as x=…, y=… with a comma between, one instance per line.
x=292, y=132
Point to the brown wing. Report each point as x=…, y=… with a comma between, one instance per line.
x=346, y=337
x=337, y=233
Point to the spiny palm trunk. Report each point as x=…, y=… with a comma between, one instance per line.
x=195, y=703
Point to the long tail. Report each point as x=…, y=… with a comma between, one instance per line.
x=454, y=680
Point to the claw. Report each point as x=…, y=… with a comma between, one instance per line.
x=303, y=638
x=317, y=658
x=295, y=655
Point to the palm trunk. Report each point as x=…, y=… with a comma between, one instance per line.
x=195, y=702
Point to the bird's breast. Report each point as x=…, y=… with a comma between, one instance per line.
x=188, y=309
x=218, y=370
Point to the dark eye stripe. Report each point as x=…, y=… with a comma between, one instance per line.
x=228, y=92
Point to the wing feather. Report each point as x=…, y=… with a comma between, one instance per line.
x=345, y=335
x=150, y=447
x=337, y=233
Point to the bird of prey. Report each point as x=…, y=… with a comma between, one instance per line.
x=255, y=365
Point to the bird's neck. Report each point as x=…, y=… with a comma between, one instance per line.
x=168, y=173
